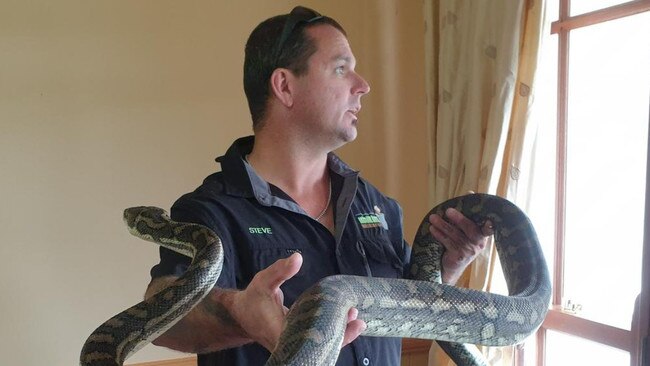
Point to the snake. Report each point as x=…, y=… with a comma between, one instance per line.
x=419, y=306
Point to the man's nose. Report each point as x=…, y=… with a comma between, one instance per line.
x=361, y=87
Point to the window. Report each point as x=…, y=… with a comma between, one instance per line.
x=593, y=141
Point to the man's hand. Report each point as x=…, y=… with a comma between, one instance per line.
x=354, y=329
x=259, y=308
x=462, y=239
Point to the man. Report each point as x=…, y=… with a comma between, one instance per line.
x=288, y=211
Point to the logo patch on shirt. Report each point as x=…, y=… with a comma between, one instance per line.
x=260, y=230
x=368, y=221
x=374, y=219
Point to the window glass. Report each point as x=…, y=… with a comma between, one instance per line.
x=543, y=163
x=585, y=6
x=553, y=10
x=608, y=96
x=567, y=350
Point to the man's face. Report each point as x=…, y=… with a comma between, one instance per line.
x=328, y=96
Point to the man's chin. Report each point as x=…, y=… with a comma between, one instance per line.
x=346, y=137
x=351, y=134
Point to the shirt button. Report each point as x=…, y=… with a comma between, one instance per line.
x=366, y=361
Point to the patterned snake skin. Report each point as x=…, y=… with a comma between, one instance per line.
x=417, y=308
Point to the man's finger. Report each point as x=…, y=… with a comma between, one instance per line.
x=354, y=328
x=275, y=275
x=352, y=314
x=468, y=227
x=487, y=229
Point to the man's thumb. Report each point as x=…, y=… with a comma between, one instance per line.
x=282, y=270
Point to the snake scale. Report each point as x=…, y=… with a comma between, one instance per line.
x=420, y=307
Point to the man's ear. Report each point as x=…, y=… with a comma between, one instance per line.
x=281, y=86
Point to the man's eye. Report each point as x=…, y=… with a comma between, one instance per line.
x=340, y=70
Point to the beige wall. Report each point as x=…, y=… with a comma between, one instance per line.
x=109, y=104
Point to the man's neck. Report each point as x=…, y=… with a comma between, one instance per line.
x=293, y=166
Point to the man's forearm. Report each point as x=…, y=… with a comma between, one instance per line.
x=207, y=328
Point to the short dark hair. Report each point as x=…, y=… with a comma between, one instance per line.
x=262, y=56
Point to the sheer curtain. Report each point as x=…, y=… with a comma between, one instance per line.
x=481, y=58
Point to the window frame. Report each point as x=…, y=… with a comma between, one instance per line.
x=634, y=341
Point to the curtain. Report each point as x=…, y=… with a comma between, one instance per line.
x=481, y=58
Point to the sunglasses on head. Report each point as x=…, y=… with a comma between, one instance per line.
x=299, y=15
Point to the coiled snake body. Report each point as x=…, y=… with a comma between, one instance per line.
x=420, y=307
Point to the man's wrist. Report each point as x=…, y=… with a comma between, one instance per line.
x=218, y=305
x=451, y=277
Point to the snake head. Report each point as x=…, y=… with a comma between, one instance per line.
x=134, y=214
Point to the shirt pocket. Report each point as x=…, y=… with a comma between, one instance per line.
x=379, y=257
x=264, y=257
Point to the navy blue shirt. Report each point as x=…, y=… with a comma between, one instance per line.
x=259, y=224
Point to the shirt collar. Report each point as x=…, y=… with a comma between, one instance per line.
x=241, y=180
